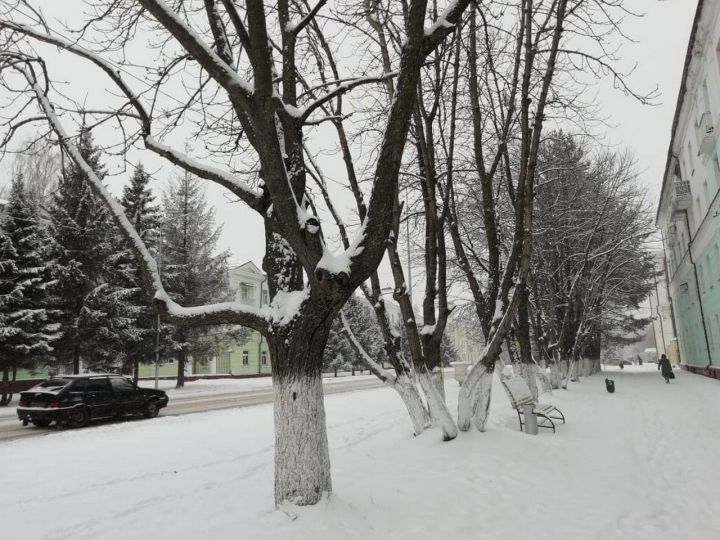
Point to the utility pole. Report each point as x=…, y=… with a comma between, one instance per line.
x=157, y=327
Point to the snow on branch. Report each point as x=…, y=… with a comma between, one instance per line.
x=444, y=25
x=224, y=313
x=383, y=374
x=240, y=189
x=224, y=74
x=341, y=88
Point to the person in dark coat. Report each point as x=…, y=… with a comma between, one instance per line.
x=665, y=368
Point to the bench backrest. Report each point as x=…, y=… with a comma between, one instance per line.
x=518, y=391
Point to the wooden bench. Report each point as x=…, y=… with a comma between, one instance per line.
x=520, y=397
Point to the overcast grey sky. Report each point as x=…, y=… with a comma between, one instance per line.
x=661, y=36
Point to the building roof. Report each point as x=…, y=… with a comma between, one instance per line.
x=249, y=267
x=680, y=100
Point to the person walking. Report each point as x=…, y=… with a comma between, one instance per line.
x=665, y=368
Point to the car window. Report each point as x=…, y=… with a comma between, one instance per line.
x=78, y=385
x=121, y=385
x=55, y=383
x=97, y=385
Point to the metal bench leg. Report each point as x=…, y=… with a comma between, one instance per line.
x=552, y=424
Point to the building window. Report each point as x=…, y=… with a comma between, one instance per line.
x=263, y=358
x=246, y=358
x=708, y=265
x=716, y=173
x=691, y=157
x=265, y=297
x=247, y=294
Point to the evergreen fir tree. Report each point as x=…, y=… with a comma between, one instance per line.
x=192, y=272
x=138, y=202
x=26, y=327
x=94, y=325
x=339, y=354
x=10, y=292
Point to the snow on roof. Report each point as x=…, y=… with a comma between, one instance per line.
x=249, y=266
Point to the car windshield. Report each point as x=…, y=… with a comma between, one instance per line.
x=55, y=383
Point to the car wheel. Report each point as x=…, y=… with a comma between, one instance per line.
x=151, y=410
x=41, y=422
x=78, y=417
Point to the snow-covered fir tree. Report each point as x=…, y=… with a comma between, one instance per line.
x=26, y=327
x=193, y=273
x=140, y=208
x=90, y=292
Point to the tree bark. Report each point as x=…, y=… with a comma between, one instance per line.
x=6, y=396
x=474, y=398
x=302, y=459
x=528, y=369
x=182, y=360
x=76, y=360
x=416, y=409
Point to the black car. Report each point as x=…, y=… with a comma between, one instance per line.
x=73, y=400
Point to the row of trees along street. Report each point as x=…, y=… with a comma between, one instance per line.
x=71, y=290
x=448, y=103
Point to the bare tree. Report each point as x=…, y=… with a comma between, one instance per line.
x=39, y=164
x=524, y=62
x=592, y=266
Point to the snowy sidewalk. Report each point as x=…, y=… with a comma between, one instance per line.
x=637, y=464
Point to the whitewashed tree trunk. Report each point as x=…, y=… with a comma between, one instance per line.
x=302, y=461
x=402, y=382
x=529, y=373
x=571, y=365
x=419, y=415
x=438, y=410
x=474, y=398
x=555, y=375
x=439, y=381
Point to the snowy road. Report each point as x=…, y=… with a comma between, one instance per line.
x=640, y=464
x=11, y=428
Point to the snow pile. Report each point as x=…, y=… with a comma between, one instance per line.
x=637, y=464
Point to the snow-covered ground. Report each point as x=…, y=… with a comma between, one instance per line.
x=637, y=464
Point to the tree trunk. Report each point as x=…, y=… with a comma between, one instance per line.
x=528, y=369
x=438, y=410
x=555, y=374
x=302, y=458
x=136, y=370
x=76, y=360
x=529, y=374
x=416, y=409
x=474, y=398
x=6, y=395
x=182, y=359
